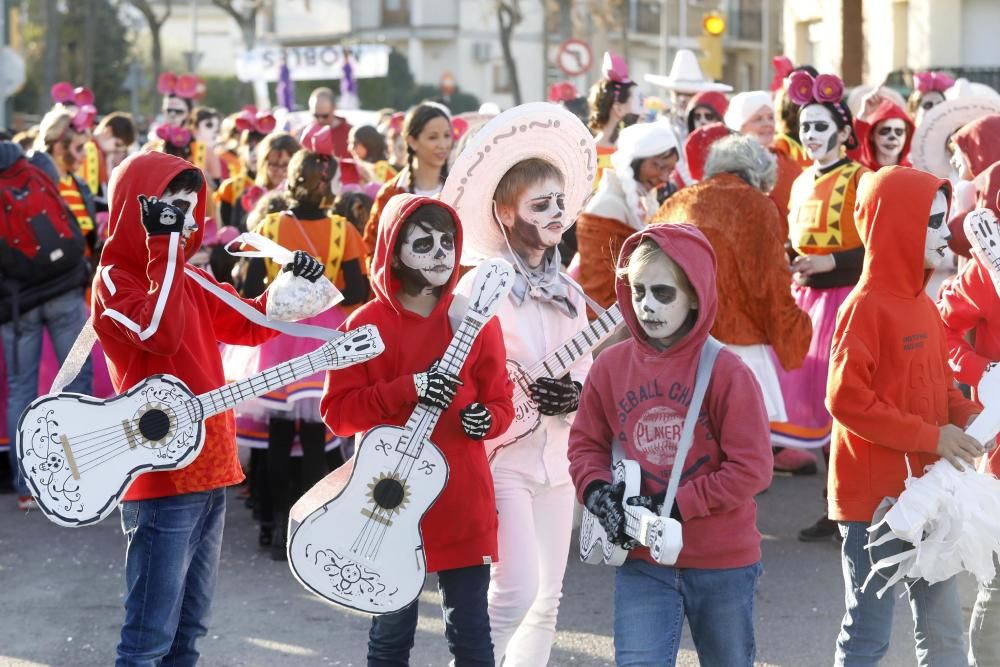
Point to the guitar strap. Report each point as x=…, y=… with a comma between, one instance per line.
x=84, y=343
x=706, y=362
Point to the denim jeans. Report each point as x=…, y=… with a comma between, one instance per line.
x=651, y=602
x=984, y=629
x=63, y=316
x=867, y=625
x=466, y=623
x=171, y=565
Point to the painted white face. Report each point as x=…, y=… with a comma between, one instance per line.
x=662, y=303
x=186, y=201
x=937, y=231
x=538, y=221
x=208, y=131
x=428, y=252
x=819, y=135
x=890, y=135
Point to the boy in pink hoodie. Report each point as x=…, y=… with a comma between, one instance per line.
x=637, y=394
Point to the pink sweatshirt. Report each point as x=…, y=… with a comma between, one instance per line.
x=639, y=396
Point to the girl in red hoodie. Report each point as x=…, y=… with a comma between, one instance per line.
x=636, y=395
x=414, y=271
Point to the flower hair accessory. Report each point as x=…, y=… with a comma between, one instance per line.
x=938, y=82
x=563, y=91
x=803, y=89
x=179, y=137
x=83, y=119
x=459, y=126
x=614, y=68
x=261, y=122
x=783, y=66
x=187, y=86
x=64, y=93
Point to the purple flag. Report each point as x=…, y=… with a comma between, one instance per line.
x=285, y=88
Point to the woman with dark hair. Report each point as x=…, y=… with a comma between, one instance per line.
x=428, y=136
x=204, y=123
x=368, y=147
x=706, y=107
x=612, y=101
x=786, y=141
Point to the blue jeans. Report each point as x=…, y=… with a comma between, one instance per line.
x=63, y=316
x=984, y=629
x=867, y=625
x=466, y=623
x=651, y=602
x=171, y=565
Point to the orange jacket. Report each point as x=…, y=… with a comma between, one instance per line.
x=890, y=388
x=599, y=241
x=389, y=190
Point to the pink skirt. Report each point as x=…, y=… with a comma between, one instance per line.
x=804, y=389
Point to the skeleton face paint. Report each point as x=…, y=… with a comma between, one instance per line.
x=662, y=299
x=819, y=134
x=428, y=254
x=538, y=222
x=186, y=201
x=937, y=231
x=208, y=131
x=928, y=101
x=890, y=135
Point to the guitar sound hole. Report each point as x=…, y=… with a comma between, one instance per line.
x=388, y=493
x=154, y=425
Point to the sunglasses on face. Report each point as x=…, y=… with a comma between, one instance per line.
x=322, y=116
x=175, y=112
x=889, y=131
x=927, y=105
x=707, y=116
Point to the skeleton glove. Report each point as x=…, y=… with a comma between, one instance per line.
x=604, y=500
x=159, y=217
x=305, y=266
x=436, y=388
x=476, y=420
x=654, y=503
x=555, y=397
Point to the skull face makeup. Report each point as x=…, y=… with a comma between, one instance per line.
x=186, y=201
x=536, y=223
x=890, y=135
x=662, y=298
x=819, y=134
x=208, y=131
x=937, y=231
x=426, y=256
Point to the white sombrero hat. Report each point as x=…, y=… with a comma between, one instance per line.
x=536, y=130
x=929, y=149
x=858, y=93
x=686, y=76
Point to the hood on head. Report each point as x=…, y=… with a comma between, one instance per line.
x=142, y=174
x=980, y=142
x=885, y=111
x=689, y=248
x=390, y=224
x=698, y=144
x=891, y=213
x=988, y=188
x=709, y=98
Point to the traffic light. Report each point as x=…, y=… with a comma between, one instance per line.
x=713, y=27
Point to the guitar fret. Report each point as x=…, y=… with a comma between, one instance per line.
x=577, y=346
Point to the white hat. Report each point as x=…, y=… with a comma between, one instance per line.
x=535, y=130
x=636, y=142
x=858, y=93
x=685, y=76
x=743, y=106
x=929, y=149
x=963, y=88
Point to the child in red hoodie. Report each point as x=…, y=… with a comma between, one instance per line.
x=637, y=394
x=895, y=408
x=414, y=271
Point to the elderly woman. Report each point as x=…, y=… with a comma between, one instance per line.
x=756, y=310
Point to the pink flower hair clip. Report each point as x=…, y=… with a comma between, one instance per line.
x=937, y=82
x=178, y=137
x=187, y=86
x=803, y=89
x=261, y=122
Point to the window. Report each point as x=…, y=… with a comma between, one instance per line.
x=395, y=13
x=501, y=79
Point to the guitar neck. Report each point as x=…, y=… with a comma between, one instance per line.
x=556, y=364
x=228, y=396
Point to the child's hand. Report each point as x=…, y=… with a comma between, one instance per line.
x=476, y=420
x=604, y=501
x=555, y=397
x=305, y=266
x=955, y=446
x=436, y=388
x=159, y=217
x=654, y=504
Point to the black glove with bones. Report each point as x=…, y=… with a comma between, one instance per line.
x=604, y=500
x=435, y=387
x=476, y=420
x=654, y=504
x=159, y=217
x=555, y=397
x=305, y=266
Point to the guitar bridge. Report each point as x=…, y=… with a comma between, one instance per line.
x=70, y=461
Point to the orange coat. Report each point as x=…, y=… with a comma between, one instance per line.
x=755, y=303
x=389, y=190
x=787, y=170
x=599, y=241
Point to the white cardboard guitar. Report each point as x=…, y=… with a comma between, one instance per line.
x=354, y=538
x=526, y=415
x=80, y=454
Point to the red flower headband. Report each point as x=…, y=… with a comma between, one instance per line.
x=562, y=91
x=938, y=82
x=824, y=89
x=179, y=137
x=187, y=86
x=261, y=122
x=64, y=93
x=396, y=122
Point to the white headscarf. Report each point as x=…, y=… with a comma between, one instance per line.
x=636, y=142
x=743, y=106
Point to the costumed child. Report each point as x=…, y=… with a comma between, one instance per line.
x=928, y=92
x=428, y=135
x=253, y=127
x=896, y=409
x=528, y=195
x=292, y=412
x=634, y=404
x=204, y=123
x=826, y=256
x=414, y=270
x=152, y=317
x=884, y=133
x=786, y=117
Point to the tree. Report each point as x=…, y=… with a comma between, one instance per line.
x=244, y=12
x=509, y=16
x=155, y=23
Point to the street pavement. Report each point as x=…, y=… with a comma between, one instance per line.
x=61, y=593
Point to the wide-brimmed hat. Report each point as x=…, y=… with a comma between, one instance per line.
x=858, y=93
x=536, y=130
x=929, y=149
x=686, y=76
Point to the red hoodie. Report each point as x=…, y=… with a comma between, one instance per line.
x=890, y=387
x=460, y=529
x=980, y=142
x=987, y=184
x=638, y=394
x=151, y=318
x=867, y=153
